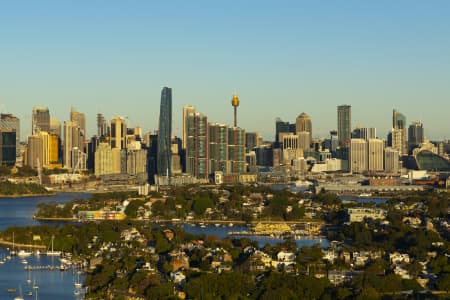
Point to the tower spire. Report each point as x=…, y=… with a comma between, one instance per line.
x=235, y=104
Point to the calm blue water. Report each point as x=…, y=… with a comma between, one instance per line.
x=376, y=200
x=222, y=232
x=20, y=211
x=56, y=285
x=53, y=285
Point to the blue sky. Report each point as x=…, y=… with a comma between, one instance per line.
x=282, y=57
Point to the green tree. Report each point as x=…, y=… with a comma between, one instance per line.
x=368, y=293
x=444, y=282
x=201, y=203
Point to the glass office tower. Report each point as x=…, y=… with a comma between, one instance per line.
x=163, y=165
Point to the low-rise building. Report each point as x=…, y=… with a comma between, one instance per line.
x=358, y=214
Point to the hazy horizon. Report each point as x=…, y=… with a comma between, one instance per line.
x=282, y=58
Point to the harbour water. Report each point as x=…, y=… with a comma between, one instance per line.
x=223, y=231
x=53, y=284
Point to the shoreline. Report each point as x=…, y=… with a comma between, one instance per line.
x=55, y=219
x=222, y=222
x=26, y=195
x=18, y=245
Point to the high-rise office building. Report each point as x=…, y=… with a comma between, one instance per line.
x=54, y=150
x=303, y=123
x=334, y=142
x=391, y=160
x=151, y=144
x=376, y=154
x=236, y=149
x=176, y=152
x=102, y=126
x=118, y=133
x=344, y=125
x=10, y=122
x=7, y=147
x=252, y=140
x=137, y=164
x=186, y=111
x=218, y=148
x=399, y=141
x=364, y=133
x=415, y=135
x=34, y=151
x=73, y=138
x=283, y=127
x=103, y=160
x=290, y=146
x=46, y=144
x=40, y=119
x=358, y=156
x=264, y=155
x=55, y=127
x=197, y=156
x=79, y=119
x=304, y=140
x=165, y=134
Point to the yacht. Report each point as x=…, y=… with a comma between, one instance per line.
x=19, y=297
x=365, y=195
x=78, y=284
x=53, y=252
x=23, y=253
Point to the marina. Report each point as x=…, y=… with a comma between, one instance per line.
x=41, y=276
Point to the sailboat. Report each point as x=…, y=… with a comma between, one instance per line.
x=13, y=250
x=78, y=284
x=53, y=252
x=20, y=297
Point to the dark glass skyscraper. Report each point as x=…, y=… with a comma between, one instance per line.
x=344, y=125
x=163, y=165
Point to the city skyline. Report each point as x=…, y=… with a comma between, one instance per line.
x=281, y=59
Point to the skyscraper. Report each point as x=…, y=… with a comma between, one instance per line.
x=34, y=151
x=163, y=165
x=40, y=120
x=236, y=149
x=72, y=140
x=101, y=125
x=10, y=122
x=364, y=133
x=79, y=119
x=391, y=160
x=197, y=158
x=376, y=154
x=118, y=133
x=303, y=123
x=283, y=127
x=186, y=111
x=344, y=125
x=358, y=156
x=399, y=141
x=252, y=140
x=55, y=126
x=103, y=159
x=415, y=135
x=7, y=147
x=218, y=148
